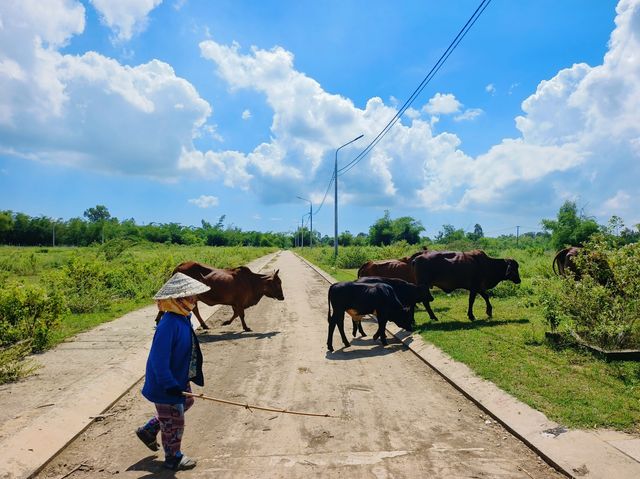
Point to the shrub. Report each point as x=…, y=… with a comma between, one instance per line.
x=603, y=304
x=13, y=364
x=83, y=282
x=28, y=312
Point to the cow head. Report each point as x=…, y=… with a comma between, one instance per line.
x=512, y=271
x=404, y=319
x=273, y=286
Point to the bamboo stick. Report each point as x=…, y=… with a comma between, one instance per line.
x=250, y=407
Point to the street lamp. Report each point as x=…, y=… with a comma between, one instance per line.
x=335, y=203
x=310, y=218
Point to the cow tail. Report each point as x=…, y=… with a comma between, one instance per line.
x=329, y=305
x=559, y=260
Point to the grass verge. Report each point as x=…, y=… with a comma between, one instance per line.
x=569, y=385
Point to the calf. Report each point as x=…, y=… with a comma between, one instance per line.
x=359, y=299
x=407, y=293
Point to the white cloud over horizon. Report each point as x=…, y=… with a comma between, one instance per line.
x=579, y=131
x=205, y=201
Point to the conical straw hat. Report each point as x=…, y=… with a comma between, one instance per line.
x=179, y=286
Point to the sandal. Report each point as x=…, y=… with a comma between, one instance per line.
x=147, y=438
x=179, y=463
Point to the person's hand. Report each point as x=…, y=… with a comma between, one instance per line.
x=174, y=391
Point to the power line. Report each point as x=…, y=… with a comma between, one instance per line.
x=325, y=195
x=452, y=46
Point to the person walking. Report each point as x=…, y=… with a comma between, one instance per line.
x=174, y=361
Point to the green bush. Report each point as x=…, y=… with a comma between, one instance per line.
x=28, y=312
x=83, y=282
x=602, y=304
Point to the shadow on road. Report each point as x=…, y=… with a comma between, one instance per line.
x=460, y=325
x=153, y=466
x=357, y=352
x=212, y=338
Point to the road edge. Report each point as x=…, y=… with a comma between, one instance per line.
x=574, y=453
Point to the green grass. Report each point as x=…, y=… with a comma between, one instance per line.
x=568, y=385
x=28, y=265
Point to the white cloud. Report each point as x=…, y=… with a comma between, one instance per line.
x=204, y=201
x=490, y=88
x=246, y=114
x=125, y=17
x=88, y=110
x=469, y=114
x=441, y=104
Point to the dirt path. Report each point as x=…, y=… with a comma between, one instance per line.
x=396, y=417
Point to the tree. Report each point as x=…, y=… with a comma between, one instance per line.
x=406, y=229
x=570, y=229
x=381, y=232
x=449, y=234
x=477, y=233
x=98, y=214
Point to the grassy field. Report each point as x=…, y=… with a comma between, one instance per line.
x=136, y=271
x=568, y=384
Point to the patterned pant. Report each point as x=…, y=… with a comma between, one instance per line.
x=170, y=420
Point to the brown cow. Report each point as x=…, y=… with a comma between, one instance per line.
x=392, y=268
x=565, y=260
x=471, y=270
x=594, y=264
x=239, y=288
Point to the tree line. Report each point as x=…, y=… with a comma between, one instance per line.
x=570, y=227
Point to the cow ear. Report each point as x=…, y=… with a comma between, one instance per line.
x=276, y=273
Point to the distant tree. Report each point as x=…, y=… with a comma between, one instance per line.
x=477, y=233
x=345, y=238
x=449, y=234
x=570, y=228
x=406, y=229
x=381, y=232
x=97, y=214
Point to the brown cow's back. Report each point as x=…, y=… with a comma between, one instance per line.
x=238, y=287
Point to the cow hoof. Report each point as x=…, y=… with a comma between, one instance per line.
x=247, y=330
x=472, y=318
x=204, y=326
x=346, y=345
x=363, y=335
x=330, y=349
x=226, y=323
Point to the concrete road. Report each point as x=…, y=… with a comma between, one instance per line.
x=395, y=416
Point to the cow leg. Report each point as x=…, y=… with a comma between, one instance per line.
x=196, y=311
x=485, y=296
x=472, y=298
x=244, y=325
x=380, y=333
x=432, y=315
x=229, y=321
x=332, y=327
x=357, y=326
x=340, y=324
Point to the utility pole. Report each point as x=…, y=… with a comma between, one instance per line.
x=302, y=231
x=335, y=200
x=310, y=219
x=517, y=235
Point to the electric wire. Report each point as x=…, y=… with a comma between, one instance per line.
x=452, y=46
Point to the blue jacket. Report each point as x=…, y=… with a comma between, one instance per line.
x=169, y=358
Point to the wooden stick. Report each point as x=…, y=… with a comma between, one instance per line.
x=250, y=407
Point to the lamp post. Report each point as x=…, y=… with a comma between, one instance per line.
x=310, y=219
x=335, y=201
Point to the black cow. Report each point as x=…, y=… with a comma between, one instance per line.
x=358, y=299
x=408, y=294
x=472, y=270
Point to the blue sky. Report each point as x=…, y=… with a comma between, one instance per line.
x=183, y=110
